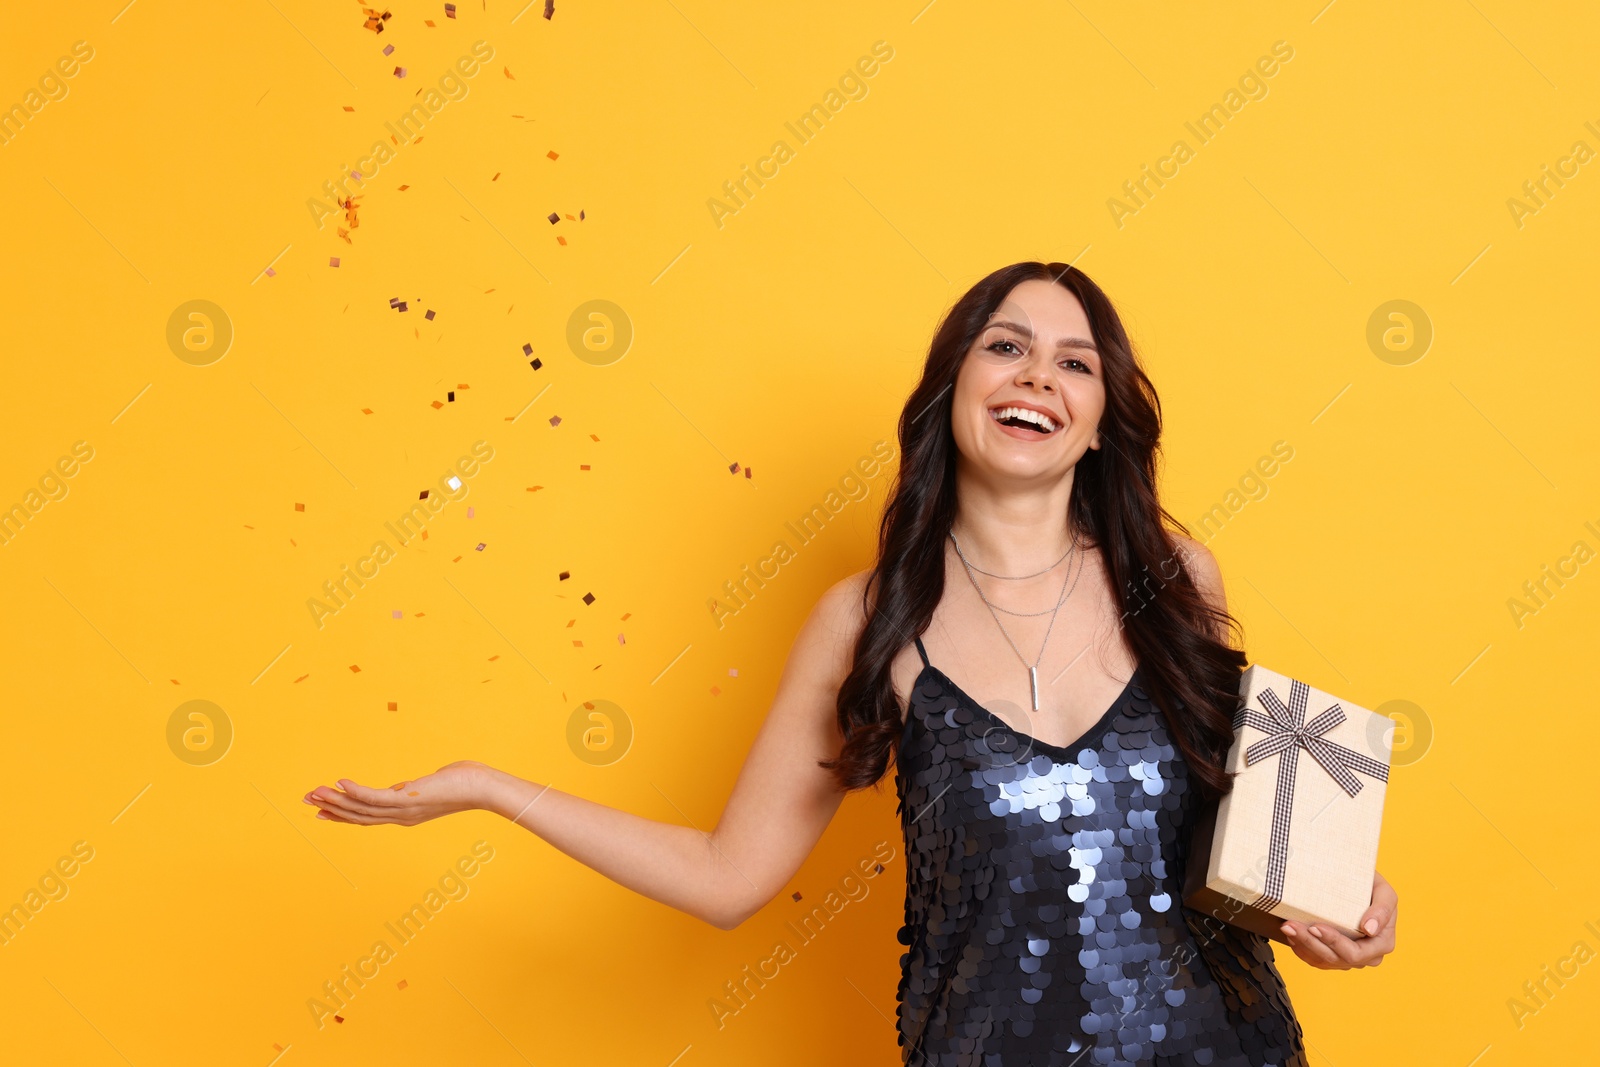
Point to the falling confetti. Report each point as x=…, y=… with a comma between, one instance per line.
x=549, y=8
x=333, y=261
x=299, y=507
x=393, y=706
x=354, y=669
x=550, y=153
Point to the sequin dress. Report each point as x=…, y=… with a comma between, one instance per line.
x=1043, y=920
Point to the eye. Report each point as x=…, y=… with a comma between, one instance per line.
x=994, y=346
x=1082, y=365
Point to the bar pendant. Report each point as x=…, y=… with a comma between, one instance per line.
x=1033, y=684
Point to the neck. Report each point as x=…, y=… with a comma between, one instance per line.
x=1013, y=531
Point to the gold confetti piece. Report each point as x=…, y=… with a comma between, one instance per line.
x=293, y=543
x=571, y=623
x=393, y=706
x=510, y=75
x=366, y=411
x=496, y=177
x=552, y=155
x=438, y=404
x=299, y=507
x=583, y=466
x=594, y=437
x=403, y=188
x=571, y=219
x=561, y=241
x=534, y=488
x=456, y=560
x=796, y=896
x=347, y=107
x=354, y=669
x=626, y=617
x=174, y=681
x=494, y=657
x=715, y=691
x=577, y=644
x=247, y=526
x=413, y=793
x=302, y=678
x=338, y=1018
x=400, y=984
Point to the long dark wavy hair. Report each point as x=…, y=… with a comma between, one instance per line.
x=1176, y=635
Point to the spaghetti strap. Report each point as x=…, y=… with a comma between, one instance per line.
x=923, y=653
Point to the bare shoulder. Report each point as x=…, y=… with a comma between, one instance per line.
x=840, y=615
x=1203, y=567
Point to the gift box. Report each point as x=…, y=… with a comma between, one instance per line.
x=1297, y=837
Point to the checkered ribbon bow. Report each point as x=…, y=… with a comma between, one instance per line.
x=1287, y=733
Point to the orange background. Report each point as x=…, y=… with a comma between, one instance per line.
x=1427, y=484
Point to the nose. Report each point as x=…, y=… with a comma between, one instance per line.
x=1037, y=369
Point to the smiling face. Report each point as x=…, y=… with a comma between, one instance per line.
x=1030, y=392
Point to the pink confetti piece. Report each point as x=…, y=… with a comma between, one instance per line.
x=333, y=261
x=399, y=72
x=271, y=273
x=469, y=513
x=388, y=49
x=555, y=420
x=396, y=614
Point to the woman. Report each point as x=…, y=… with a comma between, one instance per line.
x=1023, y=550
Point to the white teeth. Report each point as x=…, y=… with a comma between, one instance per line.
x=1043, y=421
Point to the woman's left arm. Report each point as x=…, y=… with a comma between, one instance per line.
x=1324, y=947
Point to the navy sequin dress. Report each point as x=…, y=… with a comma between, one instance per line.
x=1043, y=921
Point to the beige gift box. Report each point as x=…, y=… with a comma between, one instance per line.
x=1297, y=837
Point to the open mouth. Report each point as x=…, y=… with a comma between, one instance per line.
x=1024, y=419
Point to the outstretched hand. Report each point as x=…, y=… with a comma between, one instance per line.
x=459, y=786
x=1322, y=946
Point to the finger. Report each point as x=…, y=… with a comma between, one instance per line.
x=1380, y=913
x=1350, y=953
x=1309, y=948
x=351, y=820
x=343, y=803
x=366, y=795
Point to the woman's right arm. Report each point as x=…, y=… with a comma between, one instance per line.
x=780, y=804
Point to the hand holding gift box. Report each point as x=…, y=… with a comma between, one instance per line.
x=1295, y=842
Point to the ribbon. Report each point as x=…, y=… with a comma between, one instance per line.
x=1287, y=733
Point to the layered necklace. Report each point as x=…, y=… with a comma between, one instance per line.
x=1033, y=669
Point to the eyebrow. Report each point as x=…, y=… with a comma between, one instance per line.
x=1065, y=342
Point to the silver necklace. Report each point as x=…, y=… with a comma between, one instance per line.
x=1033, y=669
